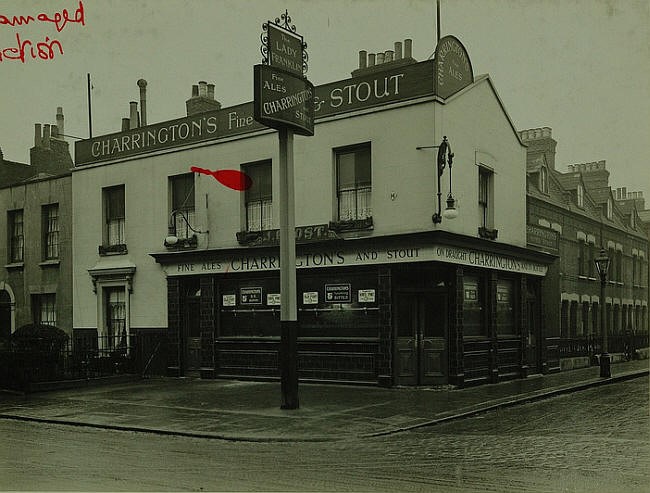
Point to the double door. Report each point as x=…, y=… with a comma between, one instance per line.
x=421, y=323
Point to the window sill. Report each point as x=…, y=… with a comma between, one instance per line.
x=50, y=263
x=15, y=265
x=488, y=234
x=106, y=250
x=351, y=225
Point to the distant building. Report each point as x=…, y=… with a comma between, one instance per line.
x=385, y=295
x=36, y=213
x=575, y=214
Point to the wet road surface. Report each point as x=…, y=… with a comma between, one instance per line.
x=596, y=440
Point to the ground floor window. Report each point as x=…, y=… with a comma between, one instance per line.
x=115, y=311
x=44, y=307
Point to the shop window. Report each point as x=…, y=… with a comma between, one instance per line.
x=114, y=219
x=474, y=320
x=353, y=184
x=115, y=313
x=258, y=197
x=44, y=308
x=249, y=308
x=339, y=307
x=506, y=308
x=50, y=222
x=16, y=236
x=182, y=214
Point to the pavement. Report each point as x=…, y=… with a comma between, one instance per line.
x=250, y=410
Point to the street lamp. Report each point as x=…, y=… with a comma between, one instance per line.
x=172, y=239
x=602, y=266
x=445, y=157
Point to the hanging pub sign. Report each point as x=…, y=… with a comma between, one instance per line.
x=453, y=69
x=283, y=97
x=283, y=100
x=285, y=49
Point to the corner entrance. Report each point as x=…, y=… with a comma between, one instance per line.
x=421, y=321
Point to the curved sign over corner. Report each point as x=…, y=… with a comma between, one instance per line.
x=452, y=66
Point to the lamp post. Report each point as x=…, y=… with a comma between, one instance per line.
x=602, y=266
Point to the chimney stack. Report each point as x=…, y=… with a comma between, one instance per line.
x=126, y=123
x=142, y=84
x=59, y=122
x=133, y=114
x=202, y=99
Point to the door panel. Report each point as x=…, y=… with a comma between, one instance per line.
x=192, y=332
x=421, y=327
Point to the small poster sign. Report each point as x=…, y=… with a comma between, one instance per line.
x=229, y=300
x=273, y=299
x=338, y=293
x=366, y=295
x=310, y=298
x=250, y=296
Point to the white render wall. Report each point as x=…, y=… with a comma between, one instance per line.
x=473, y=121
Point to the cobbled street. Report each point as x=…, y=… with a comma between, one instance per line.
x=594, y=440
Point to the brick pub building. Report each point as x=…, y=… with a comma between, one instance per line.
x=385, y=294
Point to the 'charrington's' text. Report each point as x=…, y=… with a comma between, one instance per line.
x=46, y=49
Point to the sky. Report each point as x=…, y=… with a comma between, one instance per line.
x=581, y=67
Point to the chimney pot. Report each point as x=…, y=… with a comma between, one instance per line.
x=142, y=84
x=371, y=60
x=210, y=91
x=408, y=48
x=362, y=58
x=624, y=192
x=133, y=114
x=388, y=56
x=380, y=58
x=398, y=50
x=46, y=135
x=195, y=91
x=126, y=123
x=203, y=90
x=59, y=123
x=37, y=135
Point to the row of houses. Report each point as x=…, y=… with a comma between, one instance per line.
x=392, y=290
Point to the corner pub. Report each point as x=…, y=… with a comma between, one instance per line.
x=386, y=296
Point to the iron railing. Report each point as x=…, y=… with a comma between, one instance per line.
x=571, y=347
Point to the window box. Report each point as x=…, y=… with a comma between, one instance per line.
x=119, y=249
x=249, y=238
x=487, y=233
x=351, y=225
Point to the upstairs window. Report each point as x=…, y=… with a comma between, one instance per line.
x=543, y=179
x=16, y=236
x=609, y=208
x=353, y=183
x=259, y=197
x=182, y=204
x=114, y=217
x=50, y=222
x=485, y=198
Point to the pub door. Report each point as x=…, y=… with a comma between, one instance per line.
x=421, y=343
x=191, y=333
x=533, y=340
